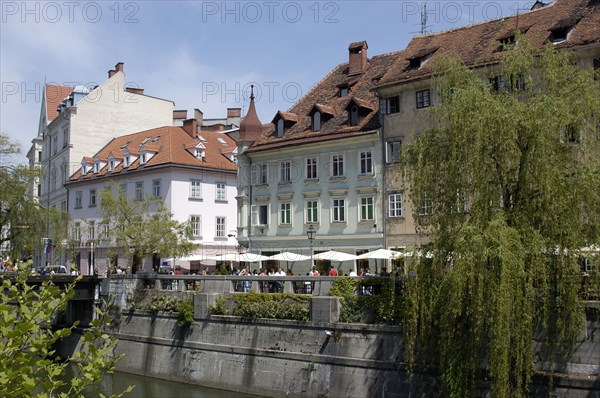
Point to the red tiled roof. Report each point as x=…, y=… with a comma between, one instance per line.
x=480, y=44
x=170, y=143
x=54, y=95
x=325, y=97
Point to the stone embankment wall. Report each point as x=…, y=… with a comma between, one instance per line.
x=320, y=358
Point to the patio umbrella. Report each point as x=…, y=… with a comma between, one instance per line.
x=333, y=255
x=383, y=254
x=252, y=257
x=289, y=256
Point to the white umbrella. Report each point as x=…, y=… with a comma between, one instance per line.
x=333, y=255
x=289, y=256
x=383, y=254
x=229, y=257
x=252, y=257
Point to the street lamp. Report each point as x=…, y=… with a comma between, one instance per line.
x=311, y=237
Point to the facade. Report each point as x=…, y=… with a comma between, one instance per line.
x=406, y=89
x=192, y=170
x=319, y=164
x=75, y=121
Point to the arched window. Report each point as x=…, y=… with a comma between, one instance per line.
x=316, y=121
x=353, y=115
x=280, y=128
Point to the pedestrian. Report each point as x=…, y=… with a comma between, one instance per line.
x=333, y=272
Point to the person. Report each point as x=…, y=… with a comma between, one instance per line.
x=205, y=271
x=313, y=271
x=245, y=283
x=278, y=285
x=384, y=272
x=333, y=272
x=352, y=272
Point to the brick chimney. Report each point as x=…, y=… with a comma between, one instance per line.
x=199, y=116
x=234, y=112
x=134, y=90
x=119, y=67
x=357, y=60
x=190, y=125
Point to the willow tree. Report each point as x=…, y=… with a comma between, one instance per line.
x=24, y=222
x=512, y=173
x=143, y=228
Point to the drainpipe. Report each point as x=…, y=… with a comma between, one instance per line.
x=249, y=204
x=383, y=172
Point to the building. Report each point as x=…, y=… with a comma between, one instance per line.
x=570, y=25
x=192, y=170
x=318, y=164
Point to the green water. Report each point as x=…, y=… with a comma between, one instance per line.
x=148, y=387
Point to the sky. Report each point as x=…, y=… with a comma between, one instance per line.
x=203, y=54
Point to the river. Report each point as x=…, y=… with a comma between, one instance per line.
x=148, y=387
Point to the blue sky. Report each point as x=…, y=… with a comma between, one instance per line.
x=203, y=54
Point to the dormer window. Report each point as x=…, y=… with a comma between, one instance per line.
x=418, y=62
x=561, y=34
x=97, y=167
x=316, y=121
x=353, y=116
x=111, y=165
x=279, y=128
x=143, y=158
x=200, y=154
x=343, y=91
x=127, y=161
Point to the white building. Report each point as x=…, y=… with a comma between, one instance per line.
x=75, y=121
x=192, y=170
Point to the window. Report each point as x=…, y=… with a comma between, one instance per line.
x=111, y=165
x=353, y=116
x=366, y=162
x=280, y=128
x=393, y=151
x=156, y=188
x=220, y=222
x=392, y=105
x=498, y=83
x=561, y=34
x=196, y=225
x=395, y=205
x=55, y=144
x=260, y=214
x=143, y=158
x=39, y=192
x=105, y=231
x=200, y=154
x=39, y=156
x=367, y=212
x=127, y=161
x=311, y=168
x=78, y=196
x=343, y=91
x=92, y=231
x=92, y=197
x=96, y=167
x=338, y=210
x=123, y=189
x=285, y=213
x=221, y=193
x=65, y=138
x=285, y=171
x=196, y=189
x=263, y=174
x=337, y=165
x=77, y=231
x=312, y=212
x=316, y=121
x=139, y=190
x=425, y=206
x=423, y=99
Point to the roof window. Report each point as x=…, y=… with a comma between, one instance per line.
x=561, y=34
x=222, y=141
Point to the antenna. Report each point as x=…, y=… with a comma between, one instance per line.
x=424, y=18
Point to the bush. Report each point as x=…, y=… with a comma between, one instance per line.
x=264, y=305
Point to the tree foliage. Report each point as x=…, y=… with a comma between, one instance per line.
x=27, y=364
x=143, y=228
x=23, y=221
x=513, y=180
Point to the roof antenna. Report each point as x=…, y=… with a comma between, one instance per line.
x=424, y=26
x=251, y=92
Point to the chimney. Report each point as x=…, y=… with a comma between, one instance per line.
x=111, y=73
x=357, y=60
x=199, y=116
x=234, y=112
x=189, y=125
x=119, y=67
x=134, y=90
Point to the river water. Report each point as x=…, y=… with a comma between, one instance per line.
x=148, y=387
